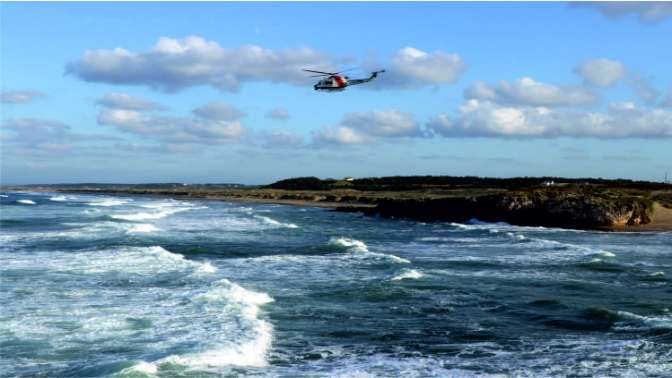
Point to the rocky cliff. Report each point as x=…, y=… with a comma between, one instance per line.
x=573, y=209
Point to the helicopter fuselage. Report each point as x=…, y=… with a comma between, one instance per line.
x=332, y=83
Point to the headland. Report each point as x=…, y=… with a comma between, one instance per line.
x=576, y=203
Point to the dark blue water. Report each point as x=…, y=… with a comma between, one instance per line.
x=139, y=286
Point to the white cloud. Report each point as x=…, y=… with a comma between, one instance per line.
x=20, y=97
x=368, y=127
x=640, y=85
x=126, y=101
x=527, y=91
x=601, y=72
x=36, y=130
x=278, y=114
x=175, y=130
x=339, y=135
x=219, y=111
x=487, y=119
x=40, y=135
x=174, y=64
x=282, y=139
x=413, y=68
x=646, y=11
x=383, y=123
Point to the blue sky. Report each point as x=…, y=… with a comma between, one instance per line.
x=213, y=92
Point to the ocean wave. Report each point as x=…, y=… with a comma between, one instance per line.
x=26, y=202
x=352, y=244
x=152, y=215
x=161, y=204
x=123, y=262
x=248, y=348
x=108, y=202
x=199, y=321
x=408, y=274
x=143, y=228
x=273, y=222
x=359, y=249
x=59, y=198
x=634, y=322
x=553, y=244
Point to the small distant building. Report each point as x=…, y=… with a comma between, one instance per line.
x=548, y=183
x=349, y=178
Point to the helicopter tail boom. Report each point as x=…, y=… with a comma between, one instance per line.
x=374, y=75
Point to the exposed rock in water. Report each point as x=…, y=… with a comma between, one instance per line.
x=537, y=208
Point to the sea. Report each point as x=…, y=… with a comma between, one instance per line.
x=137, y=286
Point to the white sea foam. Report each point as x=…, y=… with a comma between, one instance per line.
x=361, y=250
x=152, y=215
x=218, y=319
x=408, y=274
x=59, y=198
x=657, y=274
x=642, y=322
x=246, y=349
x=516, y=236
x=26, y=202
x=352, y=244
x=145, y=261
x=434, y=239
x=461, y=226
x=160, y=205
x=273, y=222
x=546, y=243
x=107, y=202
x=3, y=196
x=143, y=228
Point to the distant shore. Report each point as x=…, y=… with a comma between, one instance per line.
x=616, y=205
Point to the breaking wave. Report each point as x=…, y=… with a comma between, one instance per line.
x=143, y=228
x=26, y=202
x=630, y=321
x=248, y=346
x=108, y=202
x=152, y=215
x=407, y=274
x=273, y=222
x=359, y=249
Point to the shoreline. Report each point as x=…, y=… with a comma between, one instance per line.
x=373, y=204
x=238, y=199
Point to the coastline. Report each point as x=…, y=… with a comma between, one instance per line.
x=456, y=206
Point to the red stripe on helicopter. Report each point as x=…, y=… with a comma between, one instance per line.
x=339, y=81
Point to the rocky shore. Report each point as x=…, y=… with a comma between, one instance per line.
x=539, y=208
x=576, y=204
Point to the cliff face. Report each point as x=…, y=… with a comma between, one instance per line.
x=562, y=209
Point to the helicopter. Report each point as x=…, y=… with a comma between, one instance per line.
x=336, y=83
